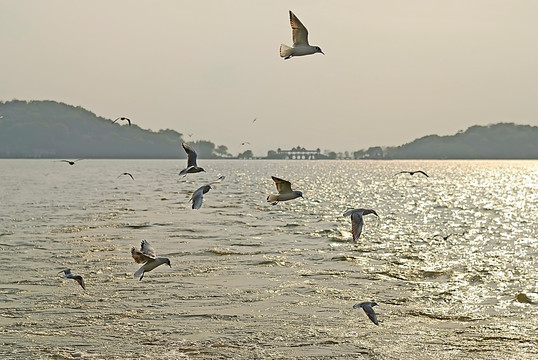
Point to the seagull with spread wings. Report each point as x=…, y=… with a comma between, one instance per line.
x=77, y=278
x=413, y=172
x=198, y=196
x=357, y=222
x=192, y=167
x=300, y=46
x=147, y=256
x=284, y=191
x=367, y=306
x=123, y=118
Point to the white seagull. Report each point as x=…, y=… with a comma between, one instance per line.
x=356, y=220
x=69, y=275
x=367, y=306
x=284, y=191
x=191, y=161
x=147, y=256
x=198, y=196
x=300, y=41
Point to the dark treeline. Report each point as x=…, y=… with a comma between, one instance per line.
x=48, y=129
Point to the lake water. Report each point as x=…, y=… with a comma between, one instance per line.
x=250, y=280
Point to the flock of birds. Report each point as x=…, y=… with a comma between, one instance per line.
x=147, y=256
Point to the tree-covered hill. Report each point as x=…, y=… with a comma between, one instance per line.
x=36, y=129
x=498, y=141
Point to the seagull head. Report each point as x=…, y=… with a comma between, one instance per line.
x=168, y=263
x=299, y=193
x=318, y=49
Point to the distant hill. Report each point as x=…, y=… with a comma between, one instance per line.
x=498, y=141
x=48, y=129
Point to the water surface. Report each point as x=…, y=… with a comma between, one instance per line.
x=451, y=261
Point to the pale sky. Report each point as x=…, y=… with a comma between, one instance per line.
x=393, y=71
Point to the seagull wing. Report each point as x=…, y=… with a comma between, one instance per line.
x=147, y=249
x=356, y=225
x=422, y=172
x=197, y=198
x=282, y=186
x=191, y=155
x=218, y=180
x=299, y=32
x=80, y=280
x=370, y=312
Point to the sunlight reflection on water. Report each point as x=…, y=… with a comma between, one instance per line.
x=451, y=261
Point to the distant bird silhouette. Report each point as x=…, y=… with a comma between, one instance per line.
x=357, y=222
x=69, y=275
x=126, y=173
x=198, y=196
x=147, y=256
x=445, y=237
x=245, y=143
x=253, y=121
x=192, y=167
x=413, y=172
x=71, y=162
x=367, y=306
x=300, y=41
x=123, y=118
x=285, y=192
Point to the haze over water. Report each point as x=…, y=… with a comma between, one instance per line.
x=251, y=280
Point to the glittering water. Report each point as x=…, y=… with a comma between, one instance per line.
x=452, y=261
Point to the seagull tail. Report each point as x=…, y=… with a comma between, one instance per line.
x=285, y=51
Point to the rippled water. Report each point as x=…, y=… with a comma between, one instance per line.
x=251, y=280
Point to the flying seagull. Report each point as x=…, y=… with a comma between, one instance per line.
x=284, y=191
x=367, y=306
x=413, y=172
x=71, y=162
x=147, y=256
x=69, y=275
x=191, y=161
x=245, y=143
x=123, y=118
x=126, y=173
x=300, y=41
x=357, y=221
x=198, y=196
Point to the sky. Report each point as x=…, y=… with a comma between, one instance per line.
x=393, y=70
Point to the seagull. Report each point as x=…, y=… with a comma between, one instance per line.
x=413, y=172
x=356, y=220
x=300, y=41
x=123, y=118
x=191, y=161
x=284, y=191
x=367, y=306
x=198, y=196
x=245, y=143
x=126, y=173
x=71, y=162
x=146, y=255
x=69, y=275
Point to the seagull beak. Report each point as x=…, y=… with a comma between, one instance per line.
x=321, y=52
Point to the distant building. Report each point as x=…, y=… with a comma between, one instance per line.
x=299, y=153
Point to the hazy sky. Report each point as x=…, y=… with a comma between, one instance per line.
x=393, y=71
